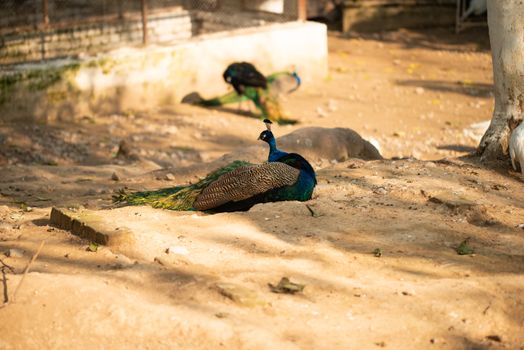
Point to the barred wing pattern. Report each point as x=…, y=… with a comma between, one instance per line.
x=245, y=182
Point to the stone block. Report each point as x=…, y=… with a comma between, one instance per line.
x=88, y=225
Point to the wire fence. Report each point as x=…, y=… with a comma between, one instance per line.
x=36, y=30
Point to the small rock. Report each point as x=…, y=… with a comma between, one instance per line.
x=521, y=226
x=14, y=253
x=494, y=337
x=321, y=112
x=177, y=250
x=380, y=190
x=332, y=105
x=124, y=149
x=115, y=177
x=170, y=177
x=419, y=90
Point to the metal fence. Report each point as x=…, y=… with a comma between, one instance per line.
x=35, y=30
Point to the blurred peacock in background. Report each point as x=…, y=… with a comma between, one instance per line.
x=237, y=186
x=251, y=85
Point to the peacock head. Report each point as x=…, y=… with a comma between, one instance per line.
x=267, y=135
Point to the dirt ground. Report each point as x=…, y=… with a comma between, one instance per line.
x=377, y=252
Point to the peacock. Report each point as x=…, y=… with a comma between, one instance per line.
x=242, y=75
x=249, y=84
x=237, y=186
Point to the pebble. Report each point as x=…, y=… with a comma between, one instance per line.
x=115, y=177
x=321, y=112
x=332, y=105
x=170, y=177
x=177, y=250
x=14, y=253
x=380, y=190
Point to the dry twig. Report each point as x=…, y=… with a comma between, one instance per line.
x=25, y=274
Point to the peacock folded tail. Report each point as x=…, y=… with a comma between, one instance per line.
x=237, y=186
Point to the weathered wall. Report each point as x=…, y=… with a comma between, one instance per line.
x=93, y=38
x=134, y=78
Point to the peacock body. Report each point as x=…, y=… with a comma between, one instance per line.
x=242, y=75
x=235, y=187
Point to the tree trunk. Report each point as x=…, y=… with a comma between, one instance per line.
x=506, y=34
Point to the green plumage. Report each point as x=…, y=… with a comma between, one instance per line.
x=237, y=186
x=179, y=197
x=267, y=100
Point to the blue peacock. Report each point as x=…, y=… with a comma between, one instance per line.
x=249, y=84
x=237, y=186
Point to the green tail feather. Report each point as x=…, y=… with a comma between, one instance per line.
x=231, y=97
x=266, y=101
x=175, y=198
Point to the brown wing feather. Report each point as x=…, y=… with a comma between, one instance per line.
x=245, y=182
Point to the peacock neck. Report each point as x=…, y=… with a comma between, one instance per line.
x=273, y=146
x=274, y=152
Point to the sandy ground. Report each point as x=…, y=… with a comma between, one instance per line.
x=415, y=93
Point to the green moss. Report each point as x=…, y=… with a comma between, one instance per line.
x=106, y=64
x=8, y=83
x=34, y=80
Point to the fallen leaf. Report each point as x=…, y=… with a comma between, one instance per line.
x=286, y=286
x=93, y=247
x=464, y=248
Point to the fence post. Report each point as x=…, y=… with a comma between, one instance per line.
x=302, y=10
x=43, y=28
x=144, y=22
x=45, y=13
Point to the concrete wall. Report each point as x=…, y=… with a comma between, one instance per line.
x=133, y=78
x=93, y=38
x=165, y=24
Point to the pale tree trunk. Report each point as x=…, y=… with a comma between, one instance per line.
x=506, y=35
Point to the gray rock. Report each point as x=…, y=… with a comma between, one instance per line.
x=14, y=253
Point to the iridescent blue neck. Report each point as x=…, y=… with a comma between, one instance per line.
x=274, y=152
